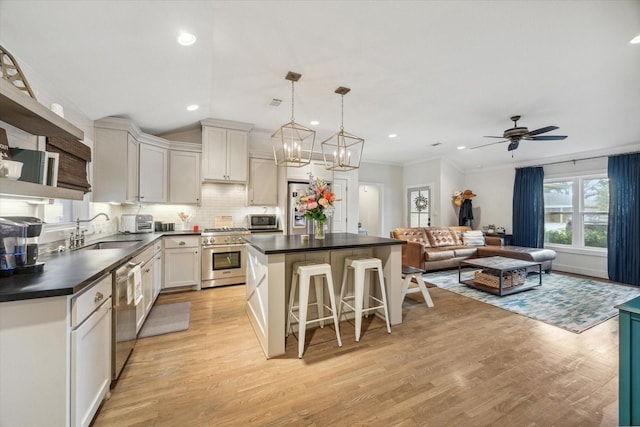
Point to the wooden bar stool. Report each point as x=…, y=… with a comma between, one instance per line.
x=410, y=273
x=360, y=266
x=303, y=272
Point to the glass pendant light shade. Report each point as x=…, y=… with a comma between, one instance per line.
x=342, y=151
x=292, y=142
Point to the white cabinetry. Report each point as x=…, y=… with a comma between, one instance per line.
x=56, y=366
x=128, y=166
x=90, y=351
x=315, y=168
x=263, y=188
x=184, y=177
x=181, y=262
x=225, y=150
x=153, y=173
x=157, y=271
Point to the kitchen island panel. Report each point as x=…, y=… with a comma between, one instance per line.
x=270, y=262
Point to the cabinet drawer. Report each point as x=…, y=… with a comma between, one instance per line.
x=90, y=299
x=157, y=246
x=181, y=242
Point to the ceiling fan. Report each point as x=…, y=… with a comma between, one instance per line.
x=516, y=134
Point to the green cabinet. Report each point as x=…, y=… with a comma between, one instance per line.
x=629, y=374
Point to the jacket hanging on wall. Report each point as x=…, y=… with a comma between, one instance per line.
x=466, y=213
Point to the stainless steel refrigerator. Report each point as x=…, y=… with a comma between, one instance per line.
x=297, y=223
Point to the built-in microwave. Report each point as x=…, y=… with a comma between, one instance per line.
x=262, y=222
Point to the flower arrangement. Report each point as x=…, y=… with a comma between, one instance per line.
x=316, y=202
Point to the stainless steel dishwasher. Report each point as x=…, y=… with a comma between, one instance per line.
x=124, y=317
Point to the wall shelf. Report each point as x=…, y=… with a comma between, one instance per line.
x=9, y=187
x=23, y=112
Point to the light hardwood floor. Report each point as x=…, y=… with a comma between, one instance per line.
x=462, y=363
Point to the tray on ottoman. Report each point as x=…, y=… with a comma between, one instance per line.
x=499, y=275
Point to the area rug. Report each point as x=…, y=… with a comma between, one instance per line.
x=166, y=318
x=568, y=302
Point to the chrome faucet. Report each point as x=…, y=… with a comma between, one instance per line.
x=77, y=239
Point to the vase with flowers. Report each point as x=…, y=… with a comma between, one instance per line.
x=316, y=204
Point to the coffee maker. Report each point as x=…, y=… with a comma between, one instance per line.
x=19, y=245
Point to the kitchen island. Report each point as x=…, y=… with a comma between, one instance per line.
x=269, y=263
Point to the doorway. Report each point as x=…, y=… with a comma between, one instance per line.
x=370, y=209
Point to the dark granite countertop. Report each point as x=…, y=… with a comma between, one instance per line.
x=66, y=273
x=276, y=244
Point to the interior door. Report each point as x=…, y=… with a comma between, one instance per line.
x=339, y=219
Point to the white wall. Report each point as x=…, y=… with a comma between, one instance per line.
x=390, y=177
x=493, y=203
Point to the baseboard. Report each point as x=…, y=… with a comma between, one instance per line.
x=583, y=271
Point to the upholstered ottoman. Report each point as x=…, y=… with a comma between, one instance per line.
x=543, y=256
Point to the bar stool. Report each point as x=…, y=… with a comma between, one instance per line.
x=303, y=272
x=410, y=273
x=360, y=266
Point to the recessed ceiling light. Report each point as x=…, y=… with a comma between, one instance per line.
x=186, y=39
x=314, y=123
x=393, y=135
x=635, y=40
x=462, y=147
x=193, y=107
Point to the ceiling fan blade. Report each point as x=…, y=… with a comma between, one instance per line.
x=548, y=138
x=513, y=145
x=542, y=130
x=500, y=137
x=486, y=145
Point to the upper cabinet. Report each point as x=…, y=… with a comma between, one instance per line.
x=225, y=150
x=263, y=188
x=23, y=112
x=129, y=166
x=316, y=169
x=184, y=175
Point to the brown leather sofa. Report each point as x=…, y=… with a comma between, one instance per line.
x=435, y=248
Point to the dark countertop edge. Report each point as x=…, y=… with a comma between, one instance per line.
x=24, y=293
x=380, y=241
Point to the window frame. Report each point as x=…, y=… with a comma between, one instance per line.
x=578, y=211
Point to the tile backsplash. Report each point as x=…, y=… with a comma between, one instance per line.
x=216, y=200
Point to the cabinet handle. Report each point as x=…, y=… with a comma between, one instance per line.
x=98, y=297
x=182, y=243
x=147, y=270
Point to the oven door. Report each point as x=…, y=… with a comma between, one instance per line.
x=223, y=265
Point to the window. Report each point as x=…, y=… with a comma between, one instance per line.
x=419, y=206
x=576, y=211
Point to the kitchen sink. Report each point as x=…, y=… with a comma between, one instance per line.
x=116, y=244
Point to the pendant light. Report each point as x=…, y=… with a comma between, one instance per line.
x=292, y=142
x=342, y=151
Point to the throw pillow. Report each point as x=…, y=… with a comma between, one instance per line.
x=473, y=238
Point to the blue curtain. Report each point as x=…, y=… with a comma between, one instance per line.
x=528, y=208
x=623, y=237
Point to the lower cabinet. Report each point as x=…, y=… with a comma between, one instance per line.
x=56, y=367
x=157, y=272
x=91, y=355
x=181, y=262
x=629, y=364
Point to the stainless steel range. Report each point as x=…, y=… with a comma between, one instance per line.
x=223, y=256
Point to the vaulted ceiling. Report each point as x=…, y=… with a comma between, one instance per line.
x=432, y=72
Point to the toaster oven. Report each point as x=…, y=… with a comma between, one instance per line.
x=136, y=223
